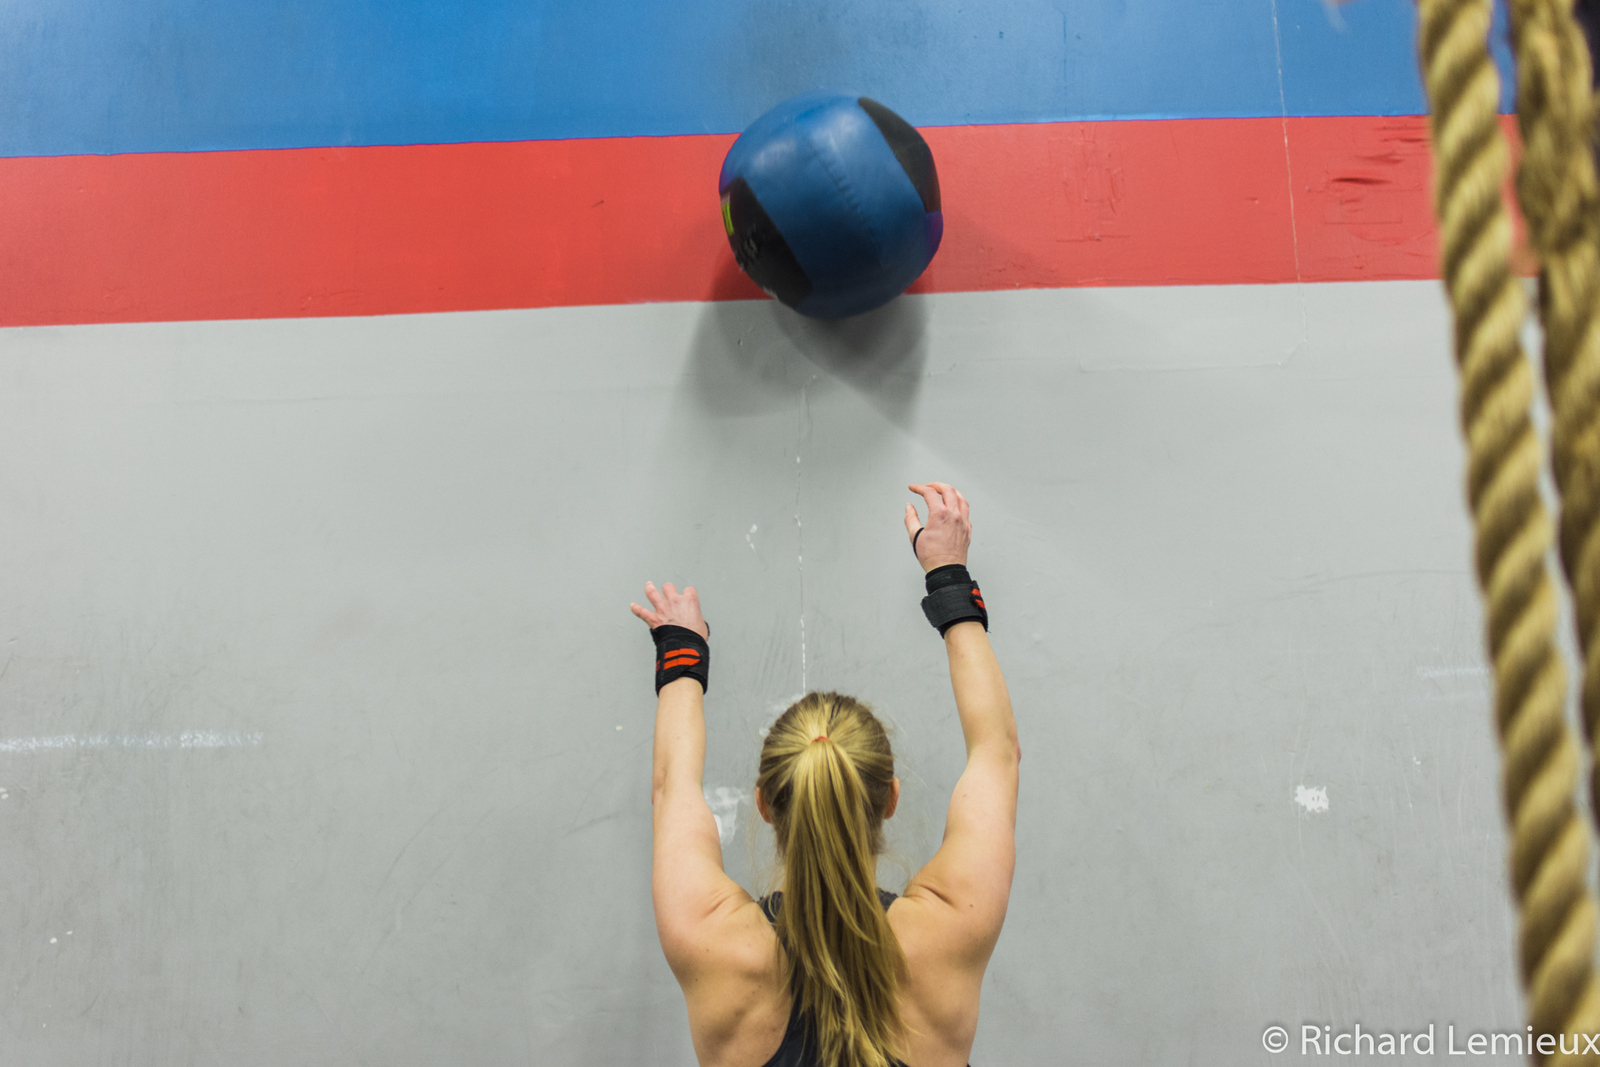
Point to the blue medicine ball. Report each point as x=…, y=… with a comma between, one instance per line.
x=831, y=204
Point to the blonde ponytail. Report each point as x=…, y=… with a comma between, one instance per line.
x=827, y=773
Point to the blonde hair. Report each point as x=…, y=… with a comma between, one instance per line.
x=827, y=774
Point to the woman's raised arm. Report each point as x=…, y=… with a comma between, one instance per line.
x=687, y=882
x=970, y=875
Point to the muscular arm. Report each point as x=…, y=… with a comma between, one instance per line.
x=678, y=758
x=687, y=882
x=980, y=691
x=971, y=872
x=969, y=878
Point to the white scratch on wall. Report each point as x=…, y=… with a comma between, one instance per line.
x=186, y=739
x=1452, y=672
x=724, y=802
x=1313, y=800
x=747, y=540
x=783, y=706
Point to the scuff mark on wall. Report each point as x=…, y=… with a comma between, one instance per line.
x=186, y=739
x=1314, y=800
x=1453, y=672
x=724, y=801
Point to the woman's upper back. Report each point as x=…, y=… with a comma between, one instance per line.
x=725, y=953
x=799, y=1046
x=740, y=1009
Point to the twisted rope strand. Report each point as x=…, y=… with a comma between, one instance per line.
x=1557, y=187
x=1549, y=841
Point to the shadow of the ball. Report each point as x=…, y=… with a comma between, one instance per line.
x=869, y=346
x=756, y=355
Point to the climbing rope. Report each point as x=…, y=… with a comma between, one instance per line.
x=1557, y=189
x=1549, y=838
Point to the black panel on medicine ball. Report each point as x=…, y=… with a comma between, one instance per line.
x=760, y=249
x=909, y=148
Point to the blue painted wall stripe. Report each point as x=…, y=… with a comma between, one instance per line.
x=111, y=76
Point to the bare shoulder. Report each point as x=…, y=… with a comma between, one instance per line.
x=733, y=987
x=732, y=939
x=946, y=932
x=957, y=901
x=944, y=976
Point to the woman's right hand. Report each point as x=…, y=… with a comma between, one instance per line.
x=945, y=538
x=673, y=608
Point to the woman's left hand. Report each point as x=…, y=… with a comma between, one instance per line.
x=672, y=608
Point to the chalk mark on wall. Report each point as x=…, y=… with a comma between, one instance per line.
x=1288, y=170
x=1453, y=672
x=1313, y=800
x=724, y=801
x=799, y=530
x=186, y=739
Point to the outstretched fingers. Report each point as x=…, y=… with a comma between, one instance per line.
x=930, y=493
x=913, y=524
x=657, y=601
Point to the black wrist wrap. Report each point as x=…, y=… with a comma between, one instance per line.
x=681, y=653
x=953, y=597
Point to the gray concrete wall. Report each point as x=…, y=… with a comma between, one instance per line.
x=324, y=727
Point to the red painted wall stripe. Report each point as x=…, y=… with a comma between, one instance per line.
x=380, y=230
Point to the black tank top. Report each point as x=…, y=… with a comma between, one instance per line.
x=798, y=1050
